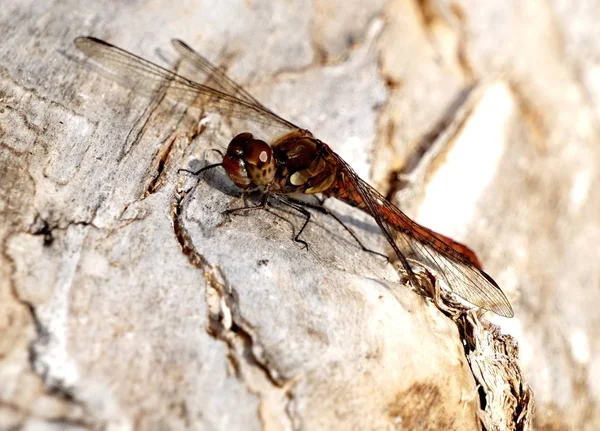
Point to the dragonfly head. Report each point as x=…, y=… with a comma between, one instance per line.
x=249, y=162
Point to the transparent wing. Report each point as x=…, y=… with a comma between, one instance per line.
x=141, y=74
x=412, y=241
x=215, y=77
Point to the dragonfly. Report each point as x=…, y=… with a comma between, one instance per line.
x=298, y=162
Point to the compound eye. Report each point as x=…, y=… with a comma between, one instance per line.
x=258, y=153
x=238, y=145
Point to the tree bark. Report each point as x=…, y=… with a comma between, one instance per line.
x=130, y=300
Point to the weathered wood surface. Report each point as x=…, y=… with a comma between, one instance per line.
x=127, y=300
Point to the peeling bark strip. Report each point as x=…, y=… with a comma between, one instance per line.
x=506, y=400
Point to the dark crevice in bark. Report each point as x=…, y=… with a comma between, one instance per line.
x=216, y=327
x=166, y=151
x=163, y=157
x=236, y=332
x=533, y=118
x=52, y=387
x=462, y=55
x=453, y=17
x=42, y=227
x=45, y=228
x=427, y=141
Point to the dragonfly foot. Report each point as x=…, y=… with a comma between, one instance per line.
x=385, y=258
x=304, y=243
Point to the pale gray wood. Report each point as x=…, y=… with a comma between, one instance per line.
x=535, y=224
x=108, y=321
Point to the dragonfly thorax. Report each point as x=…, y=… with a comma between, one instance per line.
x=249, y=162
x=297, y=162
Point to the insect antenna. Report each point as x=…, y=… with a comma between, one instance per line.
x=199, y=171
x=205, y=168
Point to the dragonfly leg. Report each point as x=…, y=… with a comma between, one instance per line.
x=326, y=211
x=264, y=204
x=292, y=203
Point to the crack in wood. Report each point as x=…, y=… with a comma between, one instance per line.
x=42, y=227
x=448, y=126
x=163, y=157
x=462, y=56
x=453, y=16
x=165, y=152
x=226, y=323
x=532, y=117
x=52, y=387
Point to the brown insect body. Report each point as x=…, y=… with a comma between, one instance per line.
x=297, y=162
